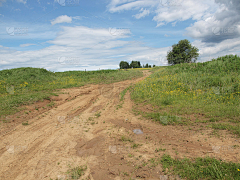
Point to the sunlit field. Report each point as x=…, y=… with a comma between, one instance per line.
x=210, y=88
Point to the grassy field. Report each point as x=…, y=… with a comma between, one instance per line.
x=211, y=88
x=23, y=86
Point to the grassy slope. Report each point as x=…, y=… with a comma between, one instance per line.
x=26, y=85
x=211, y=88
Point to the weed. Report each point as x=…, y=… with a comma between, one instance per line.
x=160, y=149
x=134, y=146
x=124, y=139
x=98, y=114
x=130, y=155
x=77, y=172
x=51, y=104
x=25, y=123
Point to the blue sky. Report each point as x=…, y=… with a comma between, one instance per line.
x=62, y=35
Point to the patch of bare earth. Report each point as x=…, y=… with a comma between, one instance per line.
x=88, y=129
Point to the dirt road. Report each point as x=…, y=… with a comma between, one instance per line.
x=96, y=130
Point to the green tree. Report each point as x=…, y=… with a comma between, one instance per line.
x=183, y=52
x=153, y=65
x=146, y=66
x=124, y=65
x=135, y=64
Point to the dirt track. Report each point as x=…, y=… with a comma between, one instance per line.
x=72, y=135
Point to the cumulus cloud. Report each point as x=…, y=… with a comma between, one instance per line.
x=215, y=20
x=224, y=24
x=61, y=19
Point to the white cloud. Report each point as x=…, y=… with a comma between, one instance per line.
x=26, y=45
x=209, y=51
x=143, y=13
x=187, y=9
x=77, y=48
x=122, y=5
x=215, y=20
x=77, y=17
x=223, y=24
x=165, y=10
x=61, y=19
x=22, y=1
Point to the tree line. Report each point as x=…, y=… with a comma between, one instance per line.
x=133, y=64
x=183, y=52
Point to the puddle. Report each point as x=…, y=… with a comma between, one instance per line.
x=137, y=131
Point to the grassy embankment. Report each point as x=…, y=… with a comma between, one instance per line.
x=210, y=88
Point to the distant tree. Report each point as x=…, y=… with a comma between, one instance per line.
x=149, y=66
x=183, y=52
x=124, y=65
x=139, y=64
x=135, y=64
x=153, y=65
x=146, y=66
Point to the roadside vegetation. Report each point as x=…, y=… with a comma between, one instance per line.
x=210, y=88
x=22, y=86
x=199, y=168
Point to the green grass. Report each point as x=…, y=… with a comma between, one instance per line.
x=77, y=172
x=22, y=86
x=235, y=129
x=98, y=114
x=122, y=94
x=211, y=88
x=160, y=149
x=201, y=168
x=25, y=123
x=134, y=146
x=124, y=139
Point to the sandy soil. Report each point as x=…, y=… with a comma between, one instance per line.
x=71, y=134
